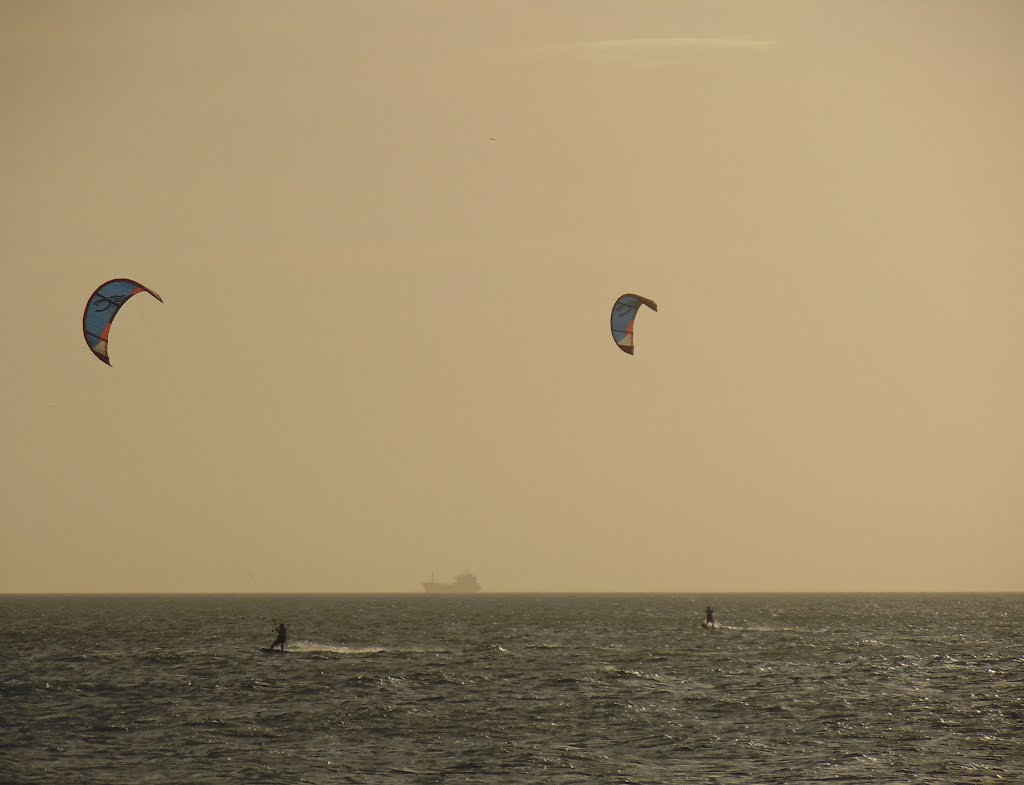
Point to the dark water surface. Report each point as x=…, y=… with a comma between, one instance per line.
x=512, y=689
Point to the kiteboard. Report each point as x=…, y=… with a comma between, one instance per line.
x=274, y=651
x=707, y=626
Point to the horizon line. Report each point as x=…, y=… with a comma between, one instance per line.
x=489, y=593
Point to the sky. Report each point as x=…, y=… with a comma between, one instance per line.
x=388, y=236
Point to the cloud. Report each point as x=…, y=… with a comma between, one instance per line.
x=653, y=51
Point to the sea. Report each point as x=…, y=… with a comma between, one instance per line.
x=514, y=688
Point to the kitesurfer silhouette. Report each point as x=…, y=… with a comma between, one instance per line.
x=282, y=634
x=710, y=613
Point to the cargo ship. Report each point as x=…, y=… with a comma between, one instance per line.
x=465, y=583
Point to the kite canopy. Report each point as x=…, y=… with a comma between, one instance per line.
x=102, y=307
x=623, y=313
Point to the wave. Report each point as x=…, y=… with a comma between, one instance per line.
x=764, y=628
x=313, y=647
x=307, y=647
x=628, y=673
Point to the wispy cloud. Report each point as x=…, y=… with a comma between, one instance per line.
x=652, y=51
x=674, y=43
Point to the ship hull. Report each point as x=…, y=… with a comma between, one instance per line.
x=448, y=588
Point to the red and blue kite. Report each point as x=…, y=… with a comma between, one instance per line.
x=623, y=314
x=102, y=307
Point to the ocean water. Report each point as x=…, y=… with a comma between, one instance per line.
x=512, y=689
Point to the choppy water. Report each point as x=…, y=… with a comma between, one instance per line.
x=513, y=689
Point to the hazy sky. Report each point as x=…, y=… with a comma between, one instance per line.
x=389, y=234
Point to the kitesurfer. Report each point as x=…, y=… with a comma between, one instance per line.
x=282, y=634
x=709, y=612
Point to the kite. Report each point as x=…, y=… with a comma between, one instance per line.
x=102, y=307
x=623, y=313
